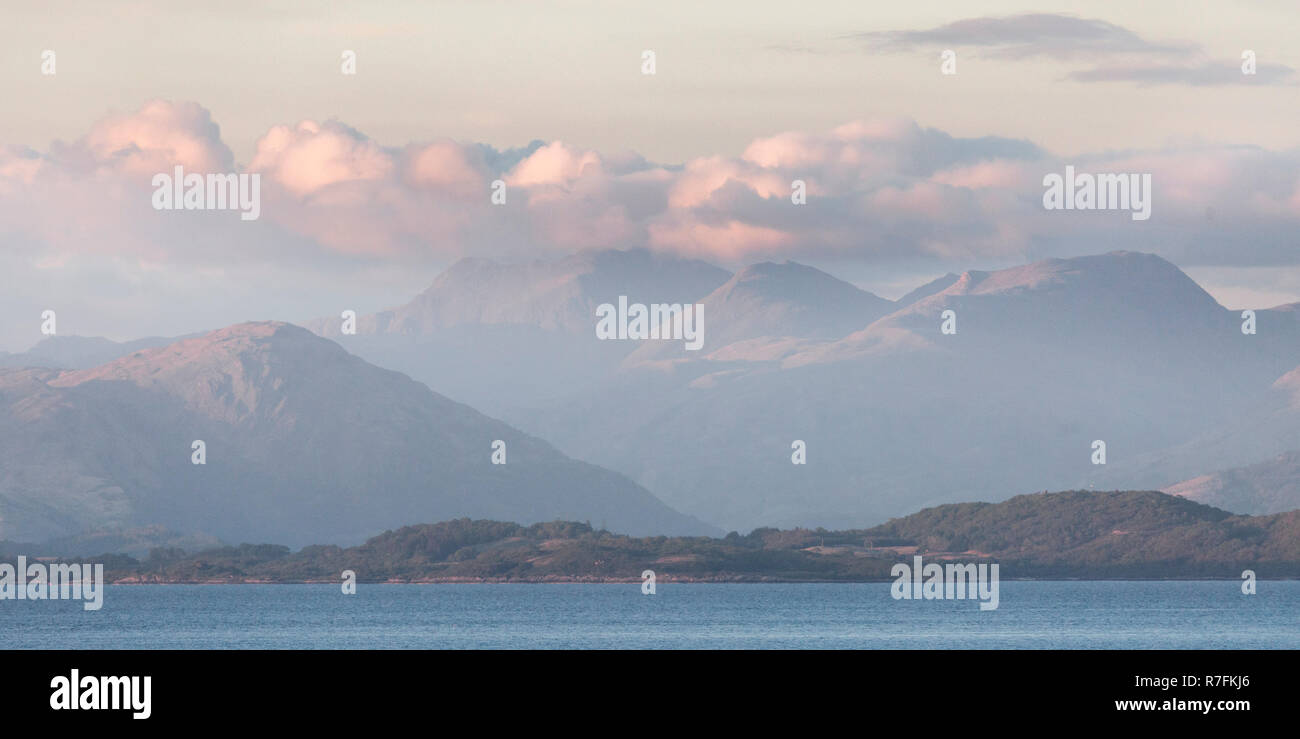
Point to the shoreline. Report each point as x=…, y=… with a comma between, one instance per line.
x=661, y=580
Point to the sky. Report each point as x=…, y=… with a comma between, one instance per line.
x=373, y=182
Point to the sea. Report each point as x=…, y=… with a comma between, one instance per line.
x=1030, y=615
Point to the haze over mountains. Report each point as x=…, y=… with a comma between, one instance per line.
x=1047, y=357
x=304, y=442
x=766, y=303
x=507, y=336
x=1271, y=486
x=77, y=352
x=896, y=415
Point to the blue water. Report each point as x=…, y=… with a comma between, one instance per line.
x=1031, y=615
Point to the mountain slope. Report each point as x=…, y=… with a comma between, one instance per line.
x=776, y=301
x=304, y=442
x=1272, y=486
x=1120, y=300
x=508, y=336
x=939, y=284
x=559, y=295
x=77, y=352
x=1047, y=358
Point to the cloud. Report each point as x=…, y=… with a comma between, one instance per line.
x=1127, y=56
x=556, y=164
x=1022, y=36
x=346, y=219
x=878, y=188
x=446, y=165
x=311, y=156
x=160, y=134
x=875, y=190
x=1203, y=74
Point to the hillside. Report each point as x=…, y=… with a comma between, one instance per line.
x=1047, y=357
x=304, y=443
x=776, y=301
x=1271, y=486
x=1135, y=534
x=506, y=336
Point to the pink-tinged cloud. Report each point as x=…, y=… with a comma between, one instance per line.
x=1233, y=182
x=728, y=242
x=445, y=165
x=556, y=164
x=18, y=166
x=155, y=138
x=878, y=189
x=995, y=175
x=859, y=145
x=343, y=213
x=701, y=178
x=311, y=156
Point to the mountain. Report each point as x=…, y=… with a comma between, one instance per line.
x=937, y=285
x=1244, y=450
x=894, y=413
x=559, y=295
x=1046, y=359
x=1130, y=534
x=304, y=442
x=1272, y=486
x=133, y=542
x=508, y=336
x=1096, y=303
x=775, y=301
x=77, y=352
x=1081, y=533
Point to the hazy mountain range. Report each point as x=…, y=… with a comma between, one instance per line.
x=1047, y=357
x=307, y=443
x=500, y=336
x=77, y=352
x=304, y=442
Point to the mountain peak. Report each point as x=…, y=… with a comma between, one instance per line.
x=212, y=349
x=549, y=294
x=775, y=300
x=1099, y=297
x=815, y=295
x=302, y=440
x=1117, y=272
x=78, y=352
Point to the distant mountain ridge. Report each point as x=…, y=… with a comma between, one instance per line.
x=79, y=352
x=938, y=284
x=776, y=301
x=1045, y=359
x=304, y=442
x=895, y=414
x=502, y=336
x=1270, y=486
x=559, y=295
